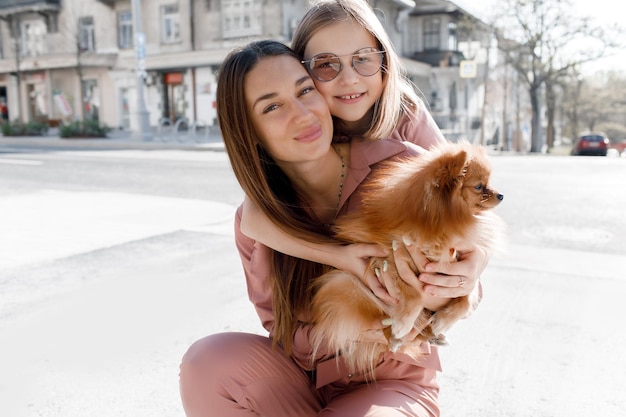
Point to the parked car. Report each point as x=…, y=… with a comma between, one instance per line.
x=591, y=143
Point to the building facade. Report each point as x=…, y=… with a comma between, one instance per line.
x=64, y=60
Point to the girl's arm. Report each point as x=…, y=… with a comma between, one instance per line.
x=351, y=258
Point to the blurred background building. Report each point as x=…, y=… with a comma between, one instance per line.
x=79, y=60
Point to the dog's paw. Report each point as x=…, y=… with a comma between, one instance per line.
x=395, y=345
x=439, y=340
x=400, y=328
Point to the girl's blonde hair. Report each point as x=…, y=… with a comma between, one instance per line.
x=399, y=96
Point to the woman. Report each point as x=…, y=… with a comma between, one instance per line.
x=278, y=134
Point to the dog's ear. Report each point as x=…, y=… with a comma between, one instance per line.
x=450, y=172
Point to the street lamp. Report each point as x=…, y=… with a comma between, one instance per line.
x=143, y=121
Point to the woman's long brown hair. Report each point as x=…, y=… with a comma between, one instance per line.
x=268, y=187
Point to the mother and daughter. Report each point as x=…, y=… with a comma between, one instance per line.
x=303, y=130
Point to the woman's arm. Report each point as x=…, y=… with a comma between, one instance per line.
x=351, y=258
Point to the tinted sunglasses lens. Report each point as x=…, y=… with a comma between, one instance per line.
x=325, y=67
x=367, y=61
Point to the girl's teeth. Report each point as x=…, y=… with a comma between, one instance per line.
x=351, y=96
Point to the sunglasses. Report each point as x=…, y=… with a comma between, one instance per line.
x=326, y=66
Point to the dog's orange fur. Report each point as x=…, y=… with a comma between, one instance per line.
x=437, y=201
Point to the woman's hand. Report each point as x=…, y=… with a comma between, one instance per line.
x=456, y=279
x=440, y=282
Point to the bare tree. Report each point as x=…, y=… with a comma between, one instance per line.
x=596, y=103
x=544, y=42
x=76, y=40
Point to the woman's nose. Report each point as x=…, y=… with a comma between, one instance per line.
x=301, y=110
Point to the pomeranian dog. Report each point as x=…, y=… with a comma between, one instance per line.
x=438, y=201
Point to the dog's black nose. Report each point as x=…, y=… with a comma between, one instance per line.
x=500, y=197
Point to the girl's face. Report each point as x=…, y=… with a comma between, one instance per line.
x=289, y=114
x=350, y=95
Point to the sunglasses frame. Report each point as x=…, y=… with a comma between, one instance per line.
x=308, y=63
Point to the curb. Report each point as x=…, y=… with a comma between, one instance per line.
x=125, y=143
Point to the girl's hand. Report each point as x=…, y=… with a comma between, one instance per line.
x=356, y=260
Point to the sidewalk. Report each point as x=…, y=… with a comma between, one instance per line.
x=119, y=140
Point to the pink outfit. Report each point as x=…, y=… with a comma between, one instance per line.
x=237, y=374
x=419, y=129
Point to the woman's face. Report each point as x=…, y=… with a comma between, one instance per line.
x=350, y=95
x=289, y=114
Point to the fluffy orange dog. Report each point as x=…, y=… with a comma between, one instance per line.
x=438, y=201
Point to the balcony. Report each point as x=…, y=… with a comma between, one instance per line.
x=440, y=59
x=13, y=7
x=109, y=2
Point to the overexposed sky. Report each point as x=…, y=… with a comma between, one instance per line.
x=601, y=11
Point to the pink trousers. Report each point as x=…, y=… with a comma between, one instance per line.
x=239, y=374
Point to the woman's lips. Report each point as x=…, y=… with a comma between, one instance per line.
x=310, y=134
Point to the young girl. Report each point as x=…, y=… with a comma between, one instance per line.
x=355, y=67
x=278, y=134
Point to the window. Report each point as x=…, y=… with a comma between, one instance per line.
x=453, y=43
x=241, y=18
x=125, y=30
x=86, y=34
x=32, y=34
x=431, y=34
x=170, y=24
x=52, y=22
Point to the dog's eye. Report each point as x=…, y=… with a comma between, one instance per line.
x=479, y=187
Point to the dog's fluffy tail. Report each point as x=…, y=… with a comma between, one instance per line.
x=344, y=313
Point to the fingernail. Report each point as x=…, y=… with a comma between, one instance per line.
x=377, y=272
x=406, y=240
x=385, y=265
x=394, y=245
x=429, y=267
x=387, y=321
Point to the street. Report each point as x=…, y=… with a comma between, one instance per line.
x=113, y=262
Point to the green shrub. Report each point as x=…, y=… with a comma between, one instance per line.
x=16, y=128
x=86, y=129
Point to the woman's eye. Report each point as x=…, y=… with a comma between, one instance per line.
x=270, y=108
x=307, y=90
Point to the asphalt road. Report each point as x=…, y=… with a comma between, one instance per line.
x=113, y=262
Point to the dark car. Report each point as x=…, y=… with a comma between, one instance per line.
x=591, y=144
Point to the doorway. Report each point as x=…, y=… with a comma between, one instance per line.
x=4, y=105
x=174, y=104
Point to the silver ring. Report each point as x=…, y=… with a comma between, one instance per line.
x=461, y=281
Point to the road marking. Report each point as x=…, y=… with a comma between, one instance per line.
x=19, y=162
x=174, y=155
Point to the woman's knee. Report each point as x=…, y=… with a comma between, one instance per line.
x=214, y=355
x=206, y=369
x=236, y=371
